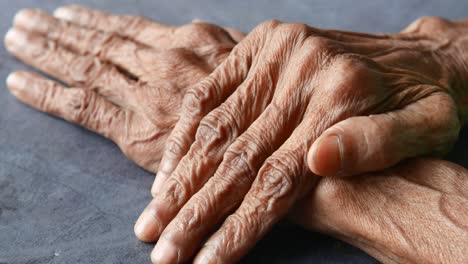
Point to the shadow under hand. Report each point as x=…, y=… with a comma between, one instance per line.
x=288, y=243
x=458, y=153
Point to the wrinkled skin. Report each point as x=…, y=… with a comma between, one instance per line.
x=414, y=213
x=290, y=97
x=150, y=106
x=126, y=87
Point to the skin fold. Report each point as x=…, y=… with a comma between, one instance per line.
x=250, y=120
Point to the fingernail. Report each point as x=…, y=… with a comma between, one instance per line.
x=327, y=156
x=165, y=252
x=27, y=18
x=22, y=17
x=15, y=82
x=63, y=13
x=147, y=227
x=15, y=39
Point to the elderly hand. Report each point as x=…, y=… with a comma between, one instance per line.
x=416, y=212
x=128, y=74
x=120, y=47
x=289, y=96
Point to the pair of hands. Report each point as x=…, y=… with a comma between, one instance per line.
x=242, y=124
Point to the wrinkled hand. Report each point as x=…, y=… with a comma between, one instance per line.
x=414, y=213
x=128, y=74
x=57, y=49
x=240, y=148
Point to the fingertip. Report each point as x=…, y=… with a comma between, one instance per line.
x=64, y=13
x=325, y=157
x=15, y=39
x=26, y=18
x=8, y=39
x=16, y=82
x=147, y=228
x=13, y=79
x=21, y=16
x=165, y=252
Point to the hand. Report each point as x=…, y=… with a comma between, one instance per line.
x=128, y=74
x=244, y=140
x=414, y=213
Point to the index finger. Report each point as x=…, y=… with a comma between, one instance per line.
x=281, y=181
x=137, y=28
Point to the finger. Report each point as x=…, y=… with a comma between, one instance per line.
x=240, y=162
x=198, y=102
x=73, y=69
x=370, y=143
x=214, y=135
x=137, y=28
x=226, y=189
x=282, y=179
x=206, y=96
x=79, y=106
x=106, y=46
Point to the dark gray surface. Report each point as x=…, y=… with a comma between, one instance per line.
x=69, y=196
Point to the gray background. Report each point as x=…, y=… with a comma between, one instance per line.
x=70, y=196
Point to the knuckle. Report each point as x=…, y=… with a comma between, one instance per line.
x=277, y=182
x=318, y=51
x=174, y=148
x=177, y=190
x=267, y=26
x=239, y=228
x=315, y=44
x=215, y=129
x=194, y=28
x=78, y=105
x=200, y=32
x=194, y=216
x=431, y=23
x=376, y=127
x=385, y=131
x=210, y=138
x=210, y=131
x=85, y=70
x=292, y=29
x=197, y=100
x=355, y=80
x=239, y=161
x=355, y=65
x=246, y=152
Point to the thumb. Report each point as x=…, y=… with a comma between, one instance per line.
x=369, y=143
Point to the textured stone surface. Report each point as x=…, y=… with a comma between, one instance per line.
x=70, y=196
